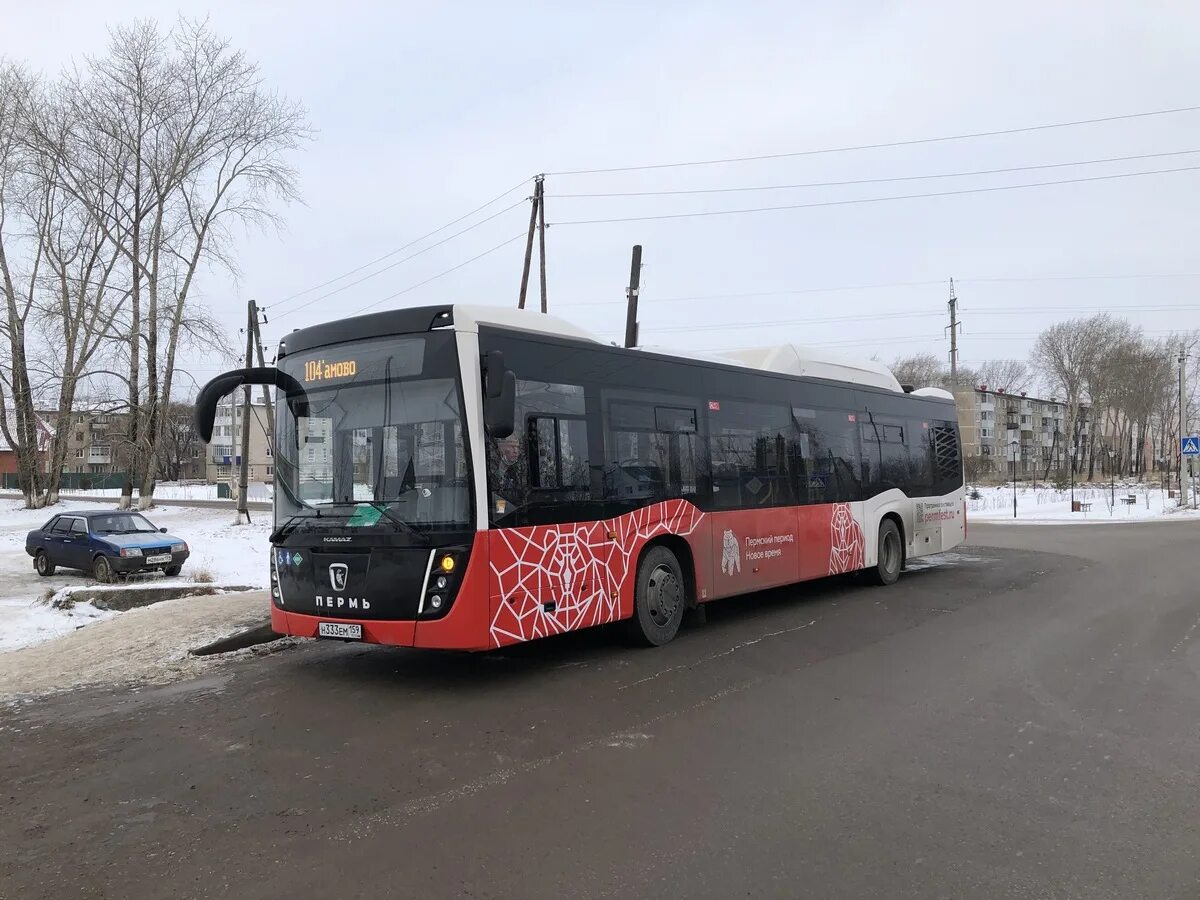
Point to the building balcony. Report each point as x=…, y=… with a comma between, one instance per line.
x=99, y=456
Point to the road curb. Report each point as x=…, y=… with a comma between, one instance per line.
x=247, y=637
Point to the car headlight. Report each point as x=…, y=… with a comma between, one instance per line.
x=179, y=548
x=130, y=551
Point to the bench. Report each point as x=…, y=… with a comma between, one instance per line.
x=1085, y=505
x=1130, y=500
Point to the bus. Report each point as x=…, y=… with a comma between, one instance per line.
x=466, y=477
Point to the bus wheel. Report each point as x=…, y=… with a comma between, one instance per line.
x=660, y=596
x=891, y=554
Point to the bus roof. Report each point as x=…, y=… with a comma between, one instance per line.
x=786, y=359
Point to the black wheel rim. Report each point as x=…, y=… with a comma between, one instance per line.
x=891, y=552
x=664, y=593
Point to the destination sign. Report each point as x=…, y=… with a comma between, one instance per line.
x=323, y=370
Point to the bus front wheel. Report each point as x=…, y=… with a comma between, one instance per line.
x=891, y=554
x=660, y=598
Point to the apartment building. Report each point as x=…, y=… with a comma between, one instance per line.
x=223, y=455
x=991, y=422
x=95, y=440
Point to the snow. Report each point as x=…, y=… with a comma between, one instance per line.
x=1051, y=506
x=145, y=645
x=230, y=554
x=168, y=490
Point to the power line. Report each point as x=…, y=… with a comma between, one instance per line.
x=879, y=146
x=413, y=287
x=885, y=285
x=819, y=184
x=399, y=249
x=860, y=200
x=398, y=262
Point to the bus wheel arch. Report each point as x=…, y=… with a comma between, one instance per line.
x=890, y=550
x=663, y=590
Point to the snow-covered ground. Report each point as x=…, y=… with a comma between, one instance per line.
x=229, y=554
x=167, y=490
x=1046, y=504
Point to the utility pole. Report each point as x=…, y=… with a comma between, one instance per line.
x=244, y=463
x=1184, y=465
x=541, y=189
x=631, y=297
x=262, y=365
x=534, y=208
x=954, y=324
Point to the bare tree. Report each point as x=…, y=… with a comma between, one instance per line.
x=19, y=202
x=199, y=146
x=1009, y=375
x=919, y=369
x=1064, y=355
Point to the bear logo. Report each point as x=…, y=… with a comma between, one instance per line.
x=731, y=553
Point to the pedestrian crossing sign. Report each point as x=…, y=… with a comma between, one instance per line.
x=1189, y=446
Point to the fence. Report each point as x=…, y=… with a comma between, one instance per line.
x=75, y=481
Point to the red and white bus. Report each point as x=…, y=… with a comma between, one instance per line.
x=471, y=477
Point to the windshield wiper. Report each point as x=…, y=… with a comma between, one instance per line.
x=291, y=524
x=381, y=506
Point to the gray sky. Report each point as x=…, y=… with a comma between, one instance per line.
x=425, y=113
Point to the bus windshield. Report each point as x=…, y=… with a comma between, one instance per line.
x=378, y=439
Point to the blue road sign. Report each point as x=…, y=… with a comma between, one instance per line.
x=1189, y=446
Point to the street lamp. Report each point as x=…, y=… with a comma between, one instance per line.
x=1071, y=464
x=1112, y=475
x=1012, y=455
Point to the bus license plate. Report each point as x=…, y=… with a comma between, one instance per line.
x=339, y=630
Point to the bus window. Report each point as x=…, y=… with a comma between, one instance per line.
x=825, y=456
x=947, y=457
x=748, y=449
x=650, y=451
x=544, y=463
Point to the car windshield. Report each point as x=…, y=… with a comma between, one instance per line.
x=120, y=523
x=377, y=439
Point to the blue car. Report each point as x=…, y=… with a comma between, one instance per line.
x=105, y=543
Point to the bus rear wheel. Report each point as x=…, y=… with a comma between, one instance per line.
x=891, y=554
x=660, y=598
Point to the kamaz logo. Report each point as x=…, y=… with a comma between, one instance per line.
x=338, y=575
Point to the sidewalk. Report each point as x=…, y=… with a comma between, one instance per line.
x=149, y=644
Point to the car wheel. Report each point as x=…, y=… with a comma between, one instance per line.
x=172, y=570
x=660, y=598
x=42, y=563
x=102, y=570
x=891, y=554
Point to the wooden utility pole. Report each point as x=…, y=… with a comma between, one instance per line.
x=541, y=190
x=244, y=462
x=266, y=392
x=954, y=324
x=535, y=205
x=631, y=296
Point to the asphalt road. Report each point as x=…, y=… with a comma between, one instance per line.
x=1023, y=721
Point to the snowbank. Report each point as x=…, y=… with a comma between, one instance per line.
x=144, y=645
x=1052, y=506
x=223, y=552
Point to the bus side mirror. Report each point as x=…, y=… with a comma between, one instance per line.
x=499, y=396
x=205, y=411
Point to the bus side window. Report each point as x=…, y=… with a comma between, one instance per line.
x=748, y=446
x=543, y=463
x=650, y=451
x=827, y=456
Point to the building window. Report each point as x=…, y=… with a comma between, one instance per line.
x=79, y=453
x=79, y=437
x=195, y=453
x=987, y=449
x=270, y=471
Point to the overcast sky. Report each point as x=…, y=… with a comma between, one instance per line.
x=424, y=113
